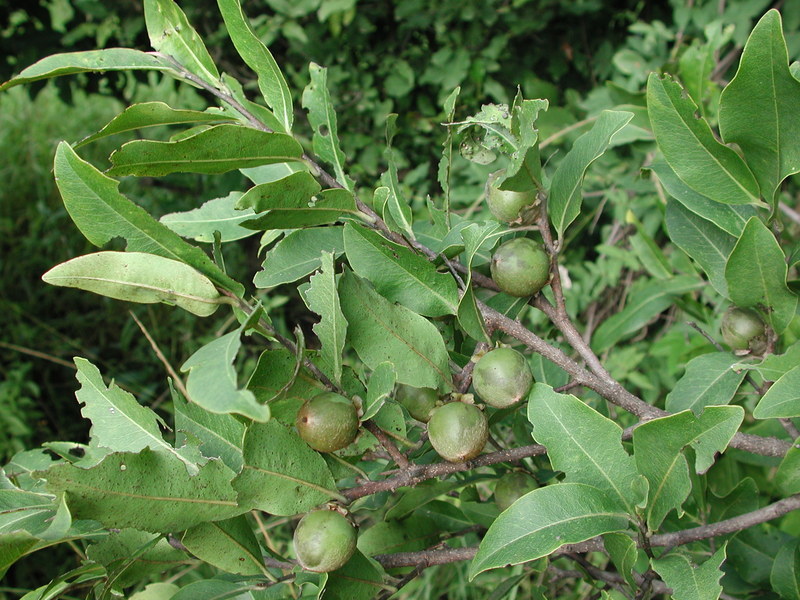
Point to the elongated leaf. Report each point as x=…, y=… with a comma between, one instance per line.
x=282, y=475
x=14, y=546
x=322, y=297
x=381, y=331
x=756, y=275
x=150, y=491
x=525, y=170
x=782, y=400
x=380, y=387
x=565, y=190
x=544, y=520
x=758, y=108
x=785, y=576
x=713, y=432
x=475, y=237
x=399, y=274
x=298, y=254
x=25, y=511
x=446, y=161
x=359, y=579
x=709, y=380
x=294, y=189
x=322, y=116
x=70, y=63
x=775, y=366
x=102, y=213
x=396, y=210
x=171, y=34
x=217, y=215
x=218, y=149
x=647, y=300
x=290, y=211
x=228, y=545
x=623, y=552
x=698, y=159
x=258, y=57
x=138, y=277
x=220, y=435
x=688, y=580
x=787, y=477
x=585, y=445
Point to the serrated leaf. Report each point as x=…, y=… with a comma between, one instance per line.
x=322, y=116
x=282, y=475
x=150, y=491
x=138, y=277
x=688, y=580
x=756, y=275
x=399, y=274
x=708, y=380
x=171, y=34
x=102, y=214
x=690, y=148
x=782, y=399
x=214, y=150
x=322, y=297
x=257, y=56
x=565, y=200
x=298, y=254
x=544, y=520
x=380, y=331
x=228, y=545
x=585, y=445
x=757, y=109
x=109, y=59
x=215, y=216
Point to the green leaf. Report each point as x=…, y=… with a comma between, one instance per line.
x=396, y=212
x=150, y=114
x=782, y=399
x=70, y=63
x=212, y=378
x=708, y=380
x=150, y=491
x=217, y=215
x=381, y=331
x=102, y=214
x=544, y=520
x=475, y=237
x=758, y=108
x=756, y=275
x=399, y=274
x=648, y=298
x=138, y=277
x=707, y=166
x=14, y=546
x=258, y=57
x=785, y=576
x=217, y=149
x=228, y=545
x=295, y=189
x=525, y=170
x=585, y=445
x=708, y=244
x=359, y=579
x=775, y=366
x=380, y=387
x=298, y=254
x=688, y=580
x=322, y=117
x=713, y=432
x=565, y=190
x=171, y=34
x=446, y=161
x=282, y=475
x=25, y=511
x=220, y=435
x=322, y=297
x=623, y=552
x=787, y=477
x=290, y=210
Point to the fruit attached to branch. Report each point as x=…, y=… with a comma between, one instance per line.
x=458, y=431
x=502, y=377
x=327, y=422
x=520, y=267
x=324, y=541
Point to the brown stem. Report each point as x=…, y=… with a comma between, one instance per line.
x=388, y=444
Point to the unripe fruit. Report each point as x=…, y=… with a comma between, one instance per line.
x=520, y=267
x=743, y=329
x=419, y=402
x=502, y=377
x=324, y=541
x=509, y=206
x=327, y=422
x=458, y=431
x=511, y=487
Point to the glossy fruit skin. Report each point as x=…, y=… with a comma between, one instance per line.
x=502, y=377
x=327, y=422
x=507, y=205
x=511, y=487
x=324, y=541
x=743, y=329
x=419, y=402
x=520, y=267
x=458, y=431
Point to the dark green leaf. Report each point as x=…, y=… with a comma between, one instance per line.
x=322, y=297
x=298, y=254
x=709, y=380
x=228, y=545
x=215, y=216
x=688, y=580
x=782, y=400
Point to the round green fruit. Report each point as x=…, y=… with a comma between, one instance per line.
x=509, y=206
x=502, y=377
x=511, y=487
x=520, y=267
x=458, y=431
x=419, y=402
x=327, y=422
x=324, y=541
x=743, y=329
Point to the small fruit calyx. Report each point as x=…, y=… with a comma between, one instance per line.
x=324, y=540
x=509, y=206
x=327, y=422
x=458, y=431
x=520, y=267
x=419, y=402
x=744, y=331
x=511, y=487
x=502, y=377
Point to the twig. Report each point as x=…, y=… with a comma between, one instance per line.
x=388, y=444
x=37, y=354
x=175, y=377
